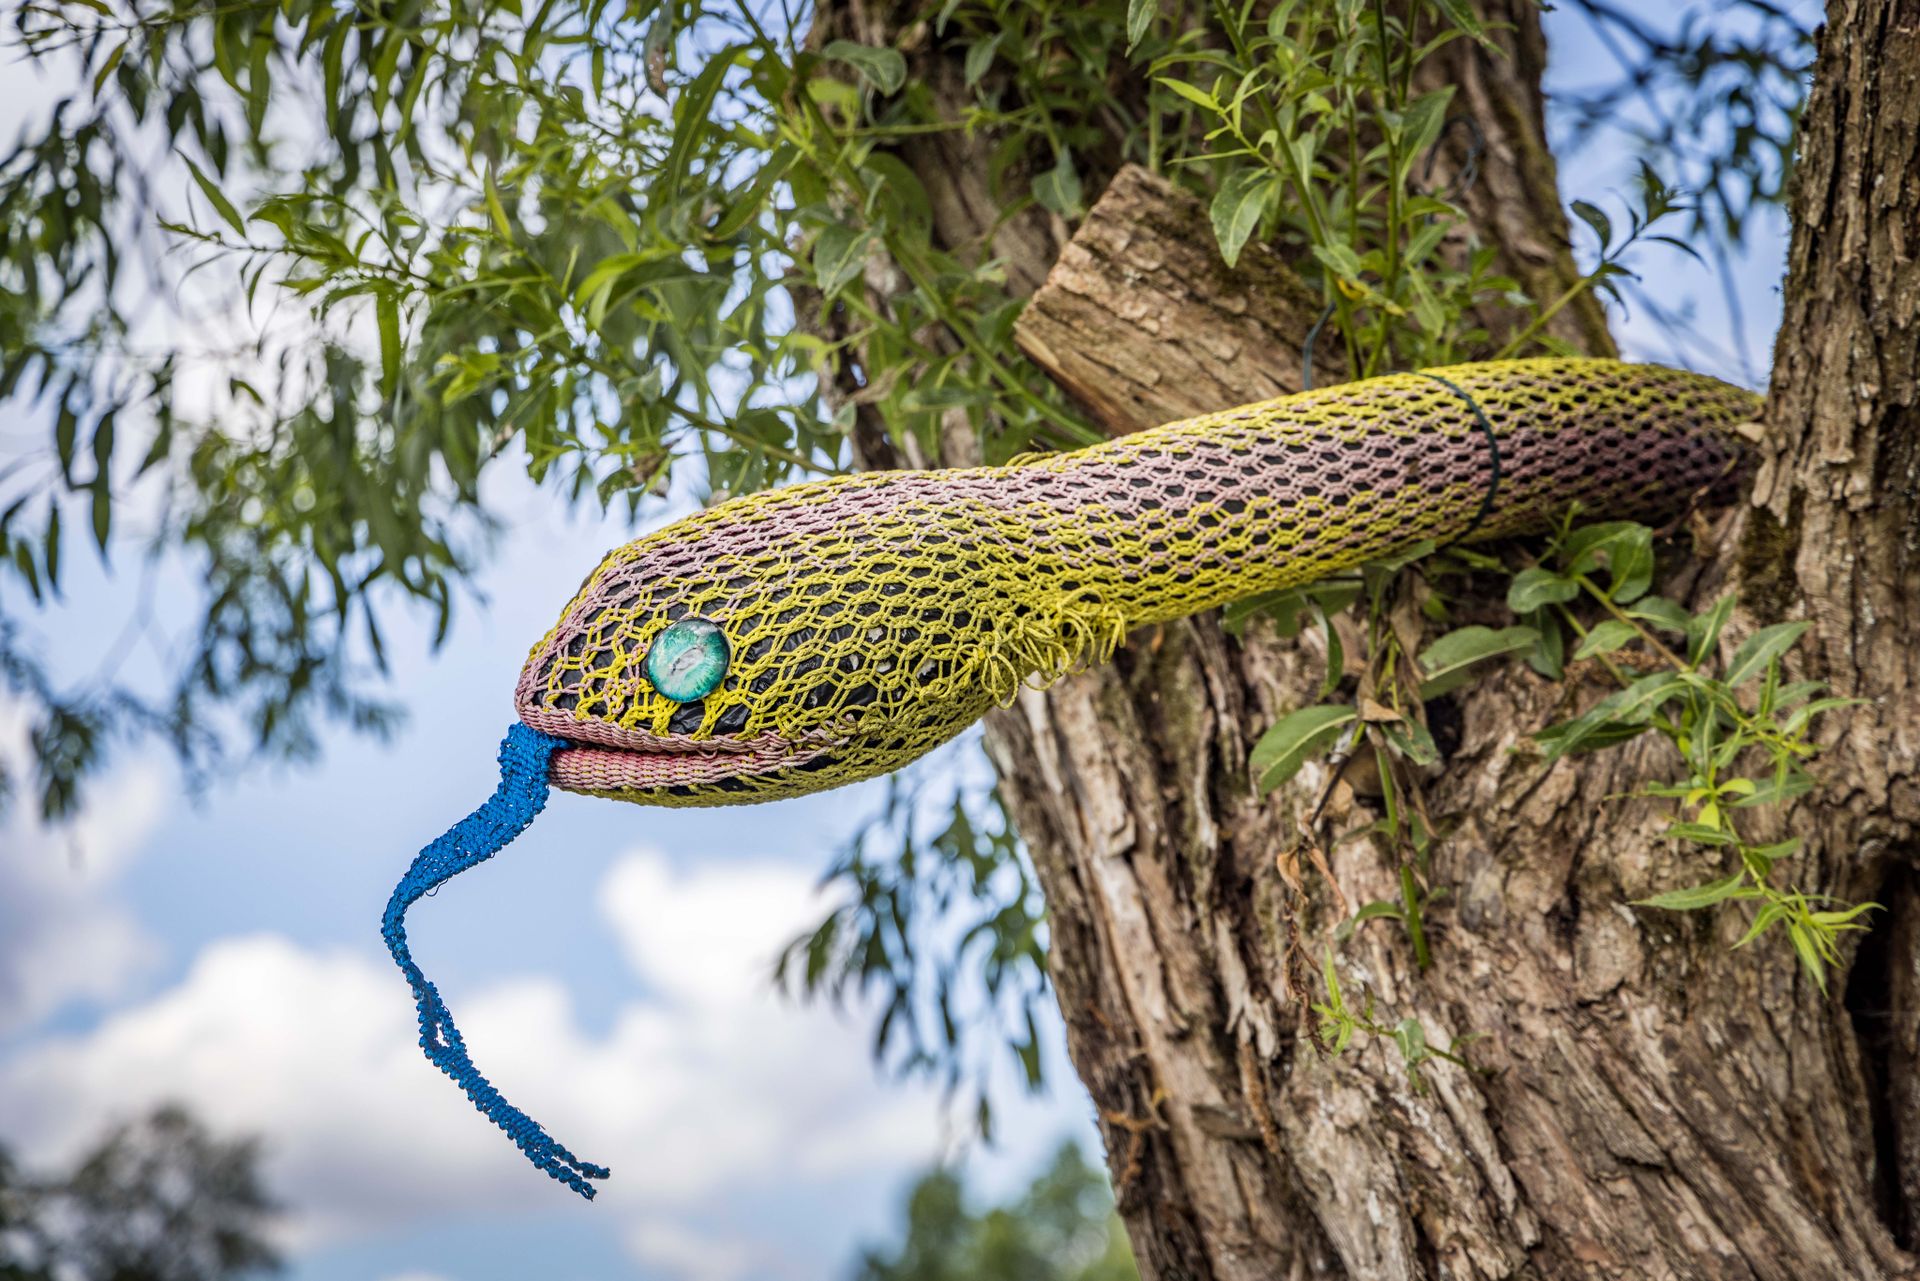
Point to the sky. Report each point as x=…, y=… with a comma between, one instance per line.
x=610, y=970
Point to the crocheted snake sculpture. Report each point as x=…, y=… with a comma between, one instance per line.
x=799, y=639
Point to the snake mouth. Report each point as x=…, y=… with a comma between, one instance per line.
x=602, y=757
x=591, y=767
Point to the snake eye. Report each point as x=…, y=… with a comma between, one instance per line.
x=688, y=660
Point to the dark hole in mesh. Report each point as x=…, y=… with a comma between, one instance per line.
x=764, y=682
x=731, y=721
x=687, y=717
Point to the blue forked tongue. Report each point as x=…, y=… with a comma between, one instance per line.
x=475, y=839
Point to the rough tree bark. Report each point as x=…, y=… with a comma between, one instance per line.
x=1143, y=323
x=1654, y=1105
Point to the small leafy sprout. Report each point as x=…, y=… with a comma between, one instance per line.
x=1658, y=201
x=1741, y=730
x=1339, y=1022
x=1744, y=718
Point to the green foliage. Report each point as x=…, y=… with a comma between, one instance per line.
x=1742, y=733
x=1716, y=95
x=1317, y=136
x=1711, y=99
x=22, y=1257
x=1657, y=201
x=1339, y=1022
x=609, y=245
x=1448, y=662
x=1294, y=740
x=499, y=244
x=162, y=1200
x=576, y=238
x=1062, y=1228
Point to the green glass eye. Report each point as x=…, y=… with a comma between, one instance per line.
x=688, y=660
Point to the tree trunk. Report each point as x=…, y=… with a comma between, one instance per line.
x=1834, y=537
x=1649, y=1104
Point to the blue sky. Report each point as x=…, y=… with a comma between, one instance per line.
x=610, y=970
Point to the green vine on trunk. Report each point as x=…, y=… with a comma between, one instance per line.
x=1739, y=730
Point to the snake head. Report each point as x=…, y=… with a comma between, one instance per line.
x=779, y=644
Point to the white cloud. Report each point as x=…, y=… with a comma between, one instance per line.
x=64, y=934
x=690, y=1255
x=709, y=937
x=711, y=1089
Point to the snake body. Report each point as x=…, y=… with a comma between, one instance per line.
x=871, y=617
x=796, y=640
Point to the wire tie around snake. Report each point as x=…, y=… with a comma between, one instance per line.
x=1306, y=348
x=1479, y=417
x=1493, y=449
x=521, y=795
